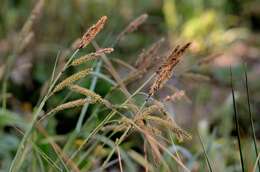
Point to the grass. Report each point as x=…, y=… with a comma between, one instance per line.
x=251, y=116
x=122, y=112
x=56, y=87
x=205, y=154
x=237, y=122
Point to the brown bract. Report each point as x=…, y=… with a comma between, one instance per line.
x=164, y=73
x=92, y=32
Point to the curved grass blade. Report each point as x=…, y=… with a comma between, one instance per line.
x=251, y=116
x=236, y=120
x=205, y=153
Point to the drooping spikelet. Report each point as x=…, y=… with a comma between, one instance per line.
x=151, y=109
x=171, y=124
x=136, y=23
x=68, y=105
x=133, y=26
x=71, y=79
x=35, y=14
x=27, y=33
x=26, y=41
x=175, y=96
x=149, y=135
x=133, y=76
x=88, y=93
x=144, y=62
x=91, y=56
x=165, y=71
x=92, y=32
x=146, y=58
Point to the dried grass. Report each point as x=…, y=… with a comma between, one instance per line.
x=132, y=26
x=71, y=79
x=175, y=96
x=91, y=56
x=91, y=33
x=68, y=105
x=166, y=70
x=147, y=57
x=88, y=93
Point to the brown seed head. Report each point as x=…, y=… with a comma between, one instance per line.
x=146, y=58
x=132, y=26
x=92, y=32
x=164, y=73
x=176, y=96
x=136, y=23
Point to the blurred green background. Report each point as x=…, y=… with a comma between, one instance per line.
x=227, y=30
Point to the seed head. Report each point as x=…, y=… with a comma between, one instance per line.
x=91, y=56
x=164, y=73
x=86, y=92
x=71, y=79
x=92, y=32
x=132, y=26
x=147, y=57
x=68, y=105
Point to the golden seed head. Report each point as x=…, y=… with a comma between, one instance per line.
x=84, y=91
x=68, y=105
x=71, y=104
x=71, y=79
x=94, y=96
x=92, y=32
x=151, y=109
x=104, y=51
x=91, y=56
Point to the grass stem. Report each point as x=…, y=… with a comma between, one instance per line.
x=236, y=121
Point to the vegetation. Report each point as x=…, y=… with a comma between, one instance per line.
x=149, y=86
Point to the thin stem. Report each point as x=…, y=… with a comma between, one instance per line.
x=236, y=120
x=205, y=153
x=119, y=141
x=109, y=116
x=16, y=163
x=251, y=116
x=85, y=107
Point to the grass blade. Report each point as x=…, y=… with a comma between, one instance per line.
x=55, y=66
x=250, y=115
x=205, y=153
x=85, y=107
x=257, y=160
x=236, y=120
